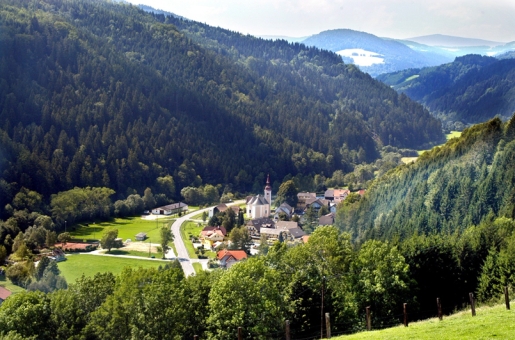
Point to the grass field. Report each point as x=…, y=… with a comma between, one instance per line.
x=6, y=283
x=198, y=267
x=189, y=229
x=157, y=255
x=448, y=136
x=127, y=228
x=489, y=323
x=89, y=265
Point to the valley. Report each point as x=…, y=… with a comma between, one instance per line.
x=366, y=173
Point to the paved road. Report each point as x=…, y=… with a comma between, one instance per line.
x=182, y=253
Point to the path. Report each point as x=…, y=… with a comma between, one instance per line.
x=182, y=253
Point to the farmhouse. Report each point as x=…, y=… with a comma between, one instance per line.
x=170, y=209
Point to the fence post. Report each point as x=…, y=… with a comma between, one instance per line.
x=439, y=305
x=240, y=333
x=288, y=330
x=405, y=310
x=369, y=322
x=507, y=297
x=472, y=304
x=328, y=325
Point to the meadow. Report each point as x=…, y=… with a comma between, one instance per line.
x=89, y=265
x=127, y=227
x=489, y=323
x=453, y=134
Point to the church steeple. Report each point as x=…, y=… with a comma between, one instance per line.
x=268, y=190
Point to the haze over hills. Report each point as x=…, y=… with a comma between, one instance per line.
x=390, y=55
x=452, y=41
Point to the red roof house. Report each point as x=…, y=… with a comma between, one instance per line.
x=229, y=257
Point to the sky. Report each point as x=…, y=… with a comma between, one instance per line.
x=399, y=19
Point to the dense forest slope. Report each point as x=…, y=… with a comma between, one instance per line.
x=468, y=180
x=471, y=89
x=397, y=55
x=94, y=93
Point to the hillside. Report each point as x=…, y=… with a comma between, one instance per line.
x=450, y=188
x=471, y=89
x=391, y=55
x=95, y=93
x=452, y=41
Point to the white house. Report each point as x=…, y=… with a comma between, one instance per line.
x=170, y=209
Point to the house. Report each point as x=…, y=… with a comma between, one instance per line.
x=254, y=226
x=303, y=197
x=141, y=236
x=329, y=194
x=271, y=233
x=317, y=203
x=4, y=294
x=340, y=195
x=218, y=209
x=227, y=258
x=295, y=233
x=326, y=219
x=286, y=225
x=210, y=235
x=170, y=209
x=283, y=208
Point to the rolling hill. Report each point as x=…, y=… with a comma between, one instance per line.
x=471, y=89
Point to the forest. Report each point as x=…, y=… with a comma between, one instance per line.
x=102, y=94
x=470, y=90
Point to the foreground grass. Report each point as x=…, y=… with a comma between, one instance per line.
x=127, y=228
x=89, y=265
x=489, y=323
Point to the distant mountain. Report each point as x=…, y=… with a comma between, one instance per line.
x=376, y=55
x=471, y=89
x=452, y=41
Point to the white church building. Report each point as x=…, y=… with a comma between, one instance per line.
x=259, y=206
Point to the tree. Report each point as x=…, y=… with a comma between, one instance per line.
x=148, y=199
x=166, y=237
x=50, y=238
x=204, y=216
x=287, y=193
x=3, y=253
x=250, y=283
x=108, y=239
x=240, y=239
x=64, y=237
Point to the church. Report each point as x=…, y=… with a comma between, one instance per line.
x=260, y=205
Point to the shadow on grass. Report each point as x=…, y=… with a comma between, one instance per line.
x=118, y=252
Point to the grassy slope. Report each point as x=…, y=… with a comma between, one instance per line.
x=489, y=323
x=89, y=265
x=7, y=284
x=448, y=136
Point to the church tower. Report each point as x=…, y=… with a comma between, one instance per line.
x=268, y=191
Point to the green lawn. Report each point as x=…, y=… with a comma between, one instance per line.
x=6, y=283
x=156, y=254
x=189, y=229
x=89, y=265
x=198, y=267
x=127, y=228
x=489, y=323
